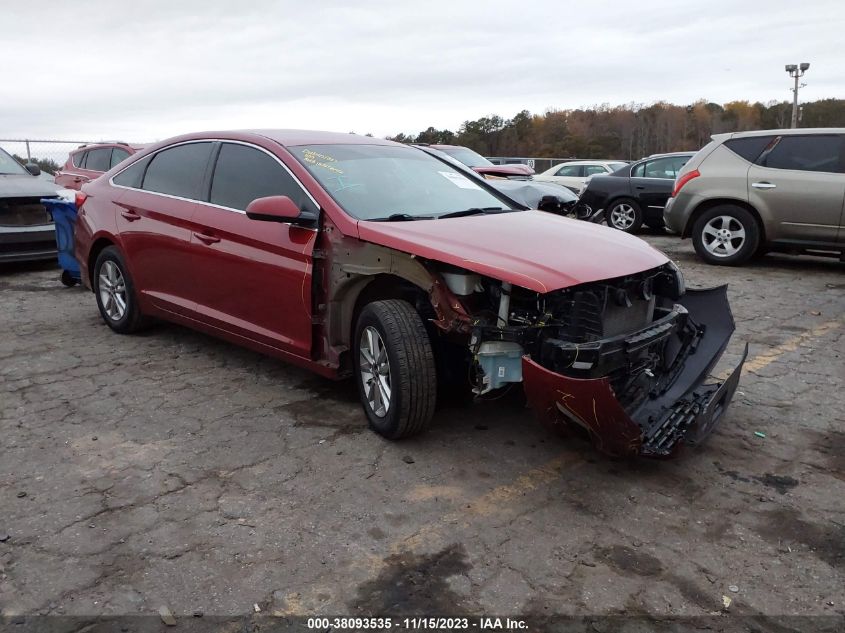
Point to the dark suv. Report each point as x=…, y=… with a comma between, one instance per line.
x=89, y=161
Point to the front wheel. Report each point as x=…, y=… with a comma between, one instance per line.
x=395, y=370
x=625, y=215
x=726, y=235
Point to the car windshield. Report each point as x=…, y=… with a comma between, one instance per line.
x=616, y=166
x=379, y=182
x=9, y=165
x=466, y=156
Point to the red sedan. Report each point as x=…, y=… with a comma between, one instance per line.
x=350, y=255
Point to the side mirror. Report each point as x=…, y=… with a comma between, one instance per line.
x=279, y=209
x=33, y=169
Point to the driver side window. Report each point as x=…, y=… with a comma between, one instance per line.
x=243, y=174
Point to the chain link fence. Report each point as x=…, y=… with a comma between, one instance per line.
x=539, y=165
x=49, y=155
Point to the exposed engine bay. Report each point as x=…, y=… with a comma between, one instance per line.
x=622, y=358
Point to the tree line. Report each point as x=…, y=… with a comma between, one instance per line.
x=46, y=164
x=624, y=131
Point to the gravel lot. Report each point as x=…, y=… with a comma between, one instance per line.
x=173, y=469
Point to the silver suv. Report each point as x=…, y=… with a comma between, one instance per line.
x=769, y=190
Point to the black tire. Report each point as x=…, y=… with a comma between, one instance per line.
x=131, y=319
x=628, y=216
x=67, y=279
x=412, y=376
x=707, y=234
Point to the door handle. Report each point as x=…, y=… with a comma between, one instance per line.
x=763, y=185
x=130, y=215
x=206, y=239
x=640, y=187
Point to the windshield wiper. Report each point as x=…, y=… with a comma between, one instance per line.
x=401, y=217
x=472, y=211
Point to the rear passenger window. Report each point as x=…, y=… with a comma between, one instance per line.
x=118, y=155
x=178, y=171
x=590, y=170
x=243, y=174
x=749, y=148
x=98, y=159
x=132, y=175
x=79, y=159
x=666, y=168
x=817, y=152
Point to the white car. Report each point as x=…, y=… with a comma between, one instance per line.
x=574, y=174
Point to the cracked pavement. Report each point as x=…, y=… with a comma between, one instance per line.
x=170, y=468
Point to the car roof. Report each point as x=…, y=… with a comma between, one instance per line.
x=317, y=137
x=689, y=153
x=136, y=146
x=598, y=161
x=781, y=132
x=284, y=137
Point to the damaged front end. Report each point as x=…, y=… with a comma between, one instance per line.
x=627, y=360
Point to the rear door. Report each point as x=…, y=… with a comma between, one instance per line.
x=798, y=186
x=652, y=181
x=154, y=220
x=253, y=278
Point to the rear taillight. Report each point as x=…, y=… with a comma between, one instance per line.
x=679, y=184
x=80, y=198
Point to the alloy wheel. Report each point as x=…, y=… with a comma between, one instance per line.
x=375, y=371
x=622, y=216
x=723, y=236
x=112, y=288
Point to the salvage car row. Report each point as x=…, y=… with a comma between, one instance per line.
x=415, y=274
x=352, y=256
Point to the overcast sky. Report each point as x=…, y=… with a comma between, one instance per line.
x=146, y=70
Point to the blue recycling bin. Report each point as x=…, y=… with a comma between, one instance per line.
x=64, y=218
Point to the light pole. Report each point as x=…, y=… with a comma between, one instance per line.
x=796, y=71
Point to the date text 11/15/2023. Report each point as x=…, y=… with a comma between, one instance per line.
x=417, y=623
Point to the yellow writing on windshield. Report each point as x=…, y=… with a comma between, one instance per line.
x=320, y=160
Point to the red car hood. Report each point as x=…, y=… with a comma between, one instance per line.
x=531, y=249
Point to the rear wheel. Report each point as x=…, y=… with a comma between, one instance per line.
x=625, y=214
x=115, y=292
x=726, y=235
x=395, y=369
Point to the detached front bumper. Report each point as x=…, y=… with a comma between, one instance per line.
x=680, y=408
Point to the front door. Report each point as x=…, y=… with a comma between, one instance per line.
x=253, y=277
